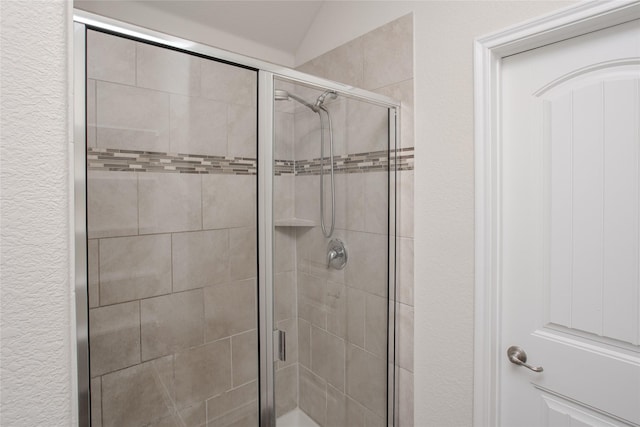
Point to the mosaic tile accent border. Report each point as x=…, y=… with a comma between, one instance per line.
x=117, y=160
x=149, y=161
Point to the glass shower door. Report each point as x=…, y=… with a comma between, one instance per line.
x=171, y=215
x=331, y=261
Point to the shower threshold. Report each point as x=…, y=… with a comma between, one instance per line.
x=295, y=418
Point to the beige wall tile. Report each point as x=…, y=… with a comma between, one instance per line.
x=193, y=416
x=93, y=273
x=327, y=357
x=355, y=201
x=312, y=300
x=284, y=197
x=337, y=309
x=114, y=332
x=228, y=83
x=304, y=343
x=244, y=416
x=356, y=308
x=388, y=53
x=198, y=126
x=96, y=402
x=284, y=135
x=202, y=372
x=343, y=64
x=405, y=208
x=134, y=267
x=367, y=379
x=284, y=296
x=367, y=266
x=131, y=118
x=244, y=358
x=242, y=131
x=286, y=390
x=91, y=113
x=200, y=259
x=343, y=411
x=230, y=309
x=306, y=133
x=285, y=249
x=313, y=395
x=112, y=204
x=367, y=127
x=137, y=395
x=311, y=253
x=376, y=202
x=171, y=323
x=376, y=325
x=307, y=197
x=169, y=202
x=228, y=201
x=404, y=285
x=167, y=70
x=290, y=328
x=404, y=339
x=243, y=255
x=232, y=399
x=111, y=58
x=403, y=92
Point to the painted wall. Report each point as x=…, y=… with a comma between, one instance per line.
x=444, y=192
x=36, y=333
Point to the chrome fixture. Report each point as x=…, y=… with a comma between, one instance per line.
x=318, y=107
x=336, y=254
x=518, y=356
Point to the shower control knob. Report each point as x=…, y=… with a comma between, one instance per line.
x=336, y=254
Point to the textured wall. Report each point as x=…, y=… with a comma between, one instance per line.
x=35, y=355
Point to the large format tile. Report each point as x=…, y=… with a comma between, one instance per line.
x=405, y=208
x=111, y=58
x=343, y=64
x=403, y=92
x=232, y=399
x=285, y=249
x=244, y=358
x=337, y=306
x=115, y=337
x=134, y=267
x=112, y=204
x=388, y=53
x=229, y=201
x=131, y=118
x=229, y=83
x=367, y=127
x=327, y=357
x=244, y=416
x=198, y=126
x=170, y=323
x=91, y=113
x=313, y=395
x=376, y=325
x=242, y=131
x=202, y=372
x=404, y=271
x=343, y=411
x=230, y=309
x=368, y=262
x=286, y=390
x=169, y=202
x=367, y=379
x=138, y=395
x=93, y=273
x=96, y=402
x=405, y=397
x=356, y=308
x=200, y=259
x=376, y=197
x=243, y=256
x=404, y=340
x=284, y=197
x=312, y=299
x=167, y=70
x=284, y=135
x=304, y=343
x=290, y=328
x=284, y=296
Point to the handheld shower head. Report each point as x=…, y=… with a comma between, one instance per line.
x=327, y=93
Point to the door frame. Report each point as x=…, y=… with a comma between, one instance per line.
x=489, y=50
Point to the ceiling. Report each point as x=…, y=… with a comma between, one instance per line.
x=278, y=24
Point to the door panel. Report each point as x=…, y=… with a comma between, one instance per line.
x=570, y=233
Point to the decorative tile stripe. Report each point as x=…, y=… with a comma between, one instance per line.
x=148, y=161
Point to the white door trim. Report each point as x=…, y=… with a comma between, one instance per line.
x=489, y=50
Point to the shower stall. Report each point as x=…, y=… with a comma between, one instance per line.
x=235, y=238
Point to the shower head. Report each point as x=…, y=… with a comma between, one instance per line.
x=327, y=93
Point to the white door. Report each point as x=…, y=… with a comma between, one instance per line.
x=569, y=263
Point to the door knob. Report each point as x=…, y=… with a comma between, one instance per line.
x=518, y=356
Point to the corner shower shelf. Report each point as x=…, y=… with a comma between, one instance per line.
x=294, y=222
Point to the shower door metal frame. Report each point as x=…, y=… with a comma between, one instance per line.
x=266, y=72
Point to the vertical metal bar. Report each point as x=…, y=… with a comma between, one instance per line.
x=80, y=220
x=266, y=248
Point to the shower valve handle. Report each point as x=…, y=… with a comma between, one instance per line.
x=336, y=254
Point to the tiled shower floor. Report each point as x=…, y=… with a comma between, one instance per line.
x=295, y=418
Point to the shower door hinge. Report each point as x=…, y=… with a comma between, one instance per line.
x=280, y=345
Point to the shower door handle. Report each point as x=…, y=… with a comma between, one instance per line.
x=282, y=345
